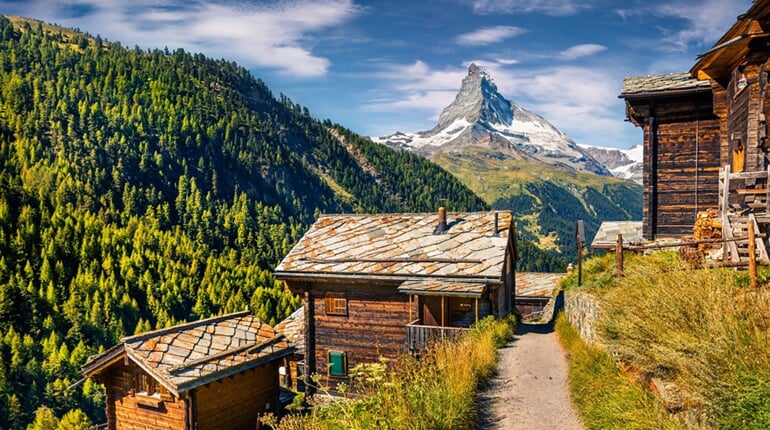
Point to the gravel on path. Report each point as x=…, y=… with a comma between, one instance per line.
x=529, y=390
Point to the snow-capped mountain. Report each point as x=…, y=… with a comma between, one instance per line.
x=623, y=163
x=481, y=116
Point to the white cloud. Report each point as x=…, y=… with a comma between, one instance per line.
x=276, y=35
x=547, y=7
x=580, y=51
x=489, y=35
x=705, y=21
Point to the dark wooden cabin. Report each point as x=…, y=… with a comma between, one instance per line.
x=218, y=373
x=379, y=285
x=720, y=107
x=681, y=150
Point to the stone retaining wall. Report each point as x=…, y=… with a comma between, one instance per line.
x=581, y=310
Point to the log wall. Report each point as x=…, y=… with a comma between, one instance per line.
x=127, y=410
x=682, y=161
x=236, y=402
x=375, y=325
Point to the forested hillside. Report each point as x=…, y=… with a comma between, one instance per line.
x=140, y=188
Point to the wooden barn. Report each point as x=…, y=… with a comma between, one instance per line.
x=218, y=373
x=705, y=134
x=681, y=149
x=380, y=285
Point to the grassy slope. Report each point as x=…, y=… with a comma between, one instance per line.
x=547, y=201
x=704, y=329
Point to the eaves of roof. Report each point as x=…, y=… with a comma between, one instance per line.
x=395, y=279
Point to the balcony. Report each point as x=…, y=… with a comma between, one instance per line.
x=419, y=337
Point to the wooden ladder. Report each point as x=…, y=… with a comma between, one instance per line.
x=736, y=226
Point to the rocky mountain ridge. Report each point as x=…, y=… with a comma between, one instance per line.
x=481, y=116
x=623, y=163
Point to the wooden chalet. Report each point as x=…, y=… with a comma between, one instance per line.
x=381, y=285
x=218, y=373
x=705, y=135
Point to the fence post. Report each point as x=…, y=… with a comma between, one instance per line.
x=752, y=255
x=580, y=235
x=619, y=256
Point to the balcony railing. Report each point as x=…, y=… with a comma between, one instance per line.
x=419, y=337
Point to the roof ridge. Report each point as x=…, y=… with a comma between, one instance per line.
x=492, y=211
x=181, y=327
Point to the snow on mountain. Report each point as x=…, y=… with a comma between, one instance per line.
x=623, y=163
x=481, y=116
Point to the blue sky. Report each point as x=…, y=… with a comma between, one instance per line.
x=383, y=66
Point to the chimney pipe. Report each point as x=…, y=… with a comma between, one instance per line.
x=441, y=228
x=496, y=233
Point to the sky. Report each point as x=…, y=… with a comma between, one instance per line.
x=378, y=67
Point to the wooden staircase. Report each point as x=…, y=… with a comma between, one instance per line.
x=744, y=198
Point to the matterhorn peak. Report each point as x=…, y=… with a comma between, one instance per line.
x=481, y=116
x=478, y=100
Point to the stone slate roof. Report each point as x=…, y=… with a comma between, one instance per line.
x=293, y=327
x=401, y=247
x=652, y=84
x=607, y=235
x=189, y=355
x=531, y=284
x=443, y=288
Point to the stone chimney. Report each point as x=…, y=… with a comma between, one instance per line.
x=441, y=228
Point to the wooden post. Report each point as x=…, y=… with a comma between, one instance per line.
x=477, y=310
x=580, y=263
x=443, y=311
x=581, y=237
x=410, y=308
x=752, y=255
x=619, y=256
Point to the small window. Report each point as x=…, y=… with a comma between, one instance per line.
x=146, y=385
x=337, y=362
x=336, y=304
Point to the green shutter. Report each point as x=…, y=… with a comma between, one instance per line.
x=337, y=363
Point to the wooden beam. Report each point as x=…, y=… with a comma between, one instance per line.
x=752, y=255
x=443, y=311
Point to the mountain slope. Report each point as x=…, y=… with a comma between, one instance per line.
x=139, y=189
x=481, y=116
x=516, y=160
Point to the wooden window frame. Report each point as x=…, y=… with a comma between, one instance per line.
x=344, y=363
x=336, y=303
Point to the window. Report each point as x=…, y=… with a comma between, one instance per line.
x=145, y=384
x=337, y=363
x=336, y=304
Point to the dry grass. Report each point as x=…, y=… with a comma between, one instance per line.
x=604, y=397
x=704, y=329
x=436, y=392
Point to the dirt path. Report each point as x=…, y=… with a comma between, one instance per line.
x=530, y=390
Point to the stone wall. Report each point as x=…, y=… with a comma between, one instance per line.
x=582, y=309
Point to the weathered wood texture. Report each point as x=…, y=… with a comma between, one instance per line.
x=237, y=401
x=375, y=325
x=682, y=160
x=130, y=412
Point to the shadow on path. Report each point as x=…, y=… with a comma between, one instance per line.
x=543, y=328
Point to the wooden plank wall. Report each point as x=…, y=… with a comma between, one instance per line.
x=687, y=173
x=682, y=160
x=131, y=415
x=374, y=326
x=237, y=401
